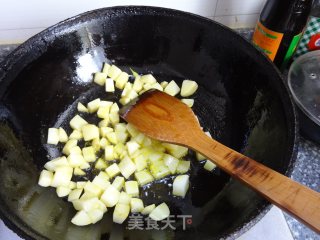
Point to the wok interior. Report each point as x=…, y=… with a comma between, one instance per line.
x=239, y=101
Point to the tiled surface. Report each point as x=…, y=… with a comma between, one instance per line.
x=238, y=21
x=236, y=7
x=19, y=20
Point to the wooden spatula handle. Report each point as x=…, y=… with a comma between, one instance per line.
x=287, y=194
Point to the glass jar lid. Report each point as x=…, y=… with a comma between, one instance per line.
x=304, y=84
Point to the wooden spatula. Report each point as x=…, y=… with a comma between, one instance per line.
x=163, y=117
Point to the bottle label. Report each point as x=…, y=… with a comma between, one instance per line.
x=310, y=38
x=291, y=49
x=267, y=40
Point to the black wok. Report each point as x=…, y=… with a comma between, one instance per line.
x=242, y=100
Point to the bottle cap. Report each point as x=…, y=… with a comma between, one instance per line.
x=304, y=84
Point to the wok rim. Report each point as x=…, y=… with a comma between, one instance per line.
x=26, y=232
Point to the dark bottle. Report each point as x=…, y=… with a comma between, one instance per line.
x=280, y=27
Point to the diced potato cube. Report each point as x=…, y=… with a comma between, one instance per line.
x=62, y=176
x=93, y=189
x=124, y=100
x=63, y=137
x=114, y=118
x=127, y=167
x=85, y=166
x=82, y=108
x=77, y=122
x=180, y=185
x=112, y=137
x=121, y=80
x=176, y=150
x=159, y=170
x=114, y=108
x=105, y=130
x=74, y=194
x=101, y=180
x=75, y=150
x=93, y=203
x=132, y=94
x=209, y=165
x=110, y=197
x=132, y=130
x=57, y=162
x=77, y=204
x=72, y=185
x=132, y=188
x=143, y=177
x=148, y=78
x=100, y=78
x=104, y=103
x=164, y=84
x=183, y=167
x=120, y=213
x=109, y=85
x=171, y=162
x=76, y=134
x=189, y=102
x=172, y=88
x=208, y=134
x=81, y=219
x=86, y=196
x=95, y=215
x=148, y=209
x=113, y=170
x=101, y=164
x=81, y=184
x=157, y=146
x=63, y=191
x=103, y=112
x=119, y=148
x=156, y=86
x=78, y=172
x=188, y=88
x=118, y=183
x=114, y=72
x=120, y=127
x=160, y=212
x=200, y=157
x=69, y=145
x=89, y=154
x=94, y=105
x=155, y=156
x=104, y=123
x=139, y=138
x=137, y=84
x=140, y=162
x=45, y=178
x=75, y=160
x=132, y=146
x=136, y=205
x=124, y=198
x=147, y=142
x=121, y=137
x=53, y=136
x=90, y=132
x=103, y=143
x=109, y=153
x=126, y=89
x=106, y=68
x=96, y=144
